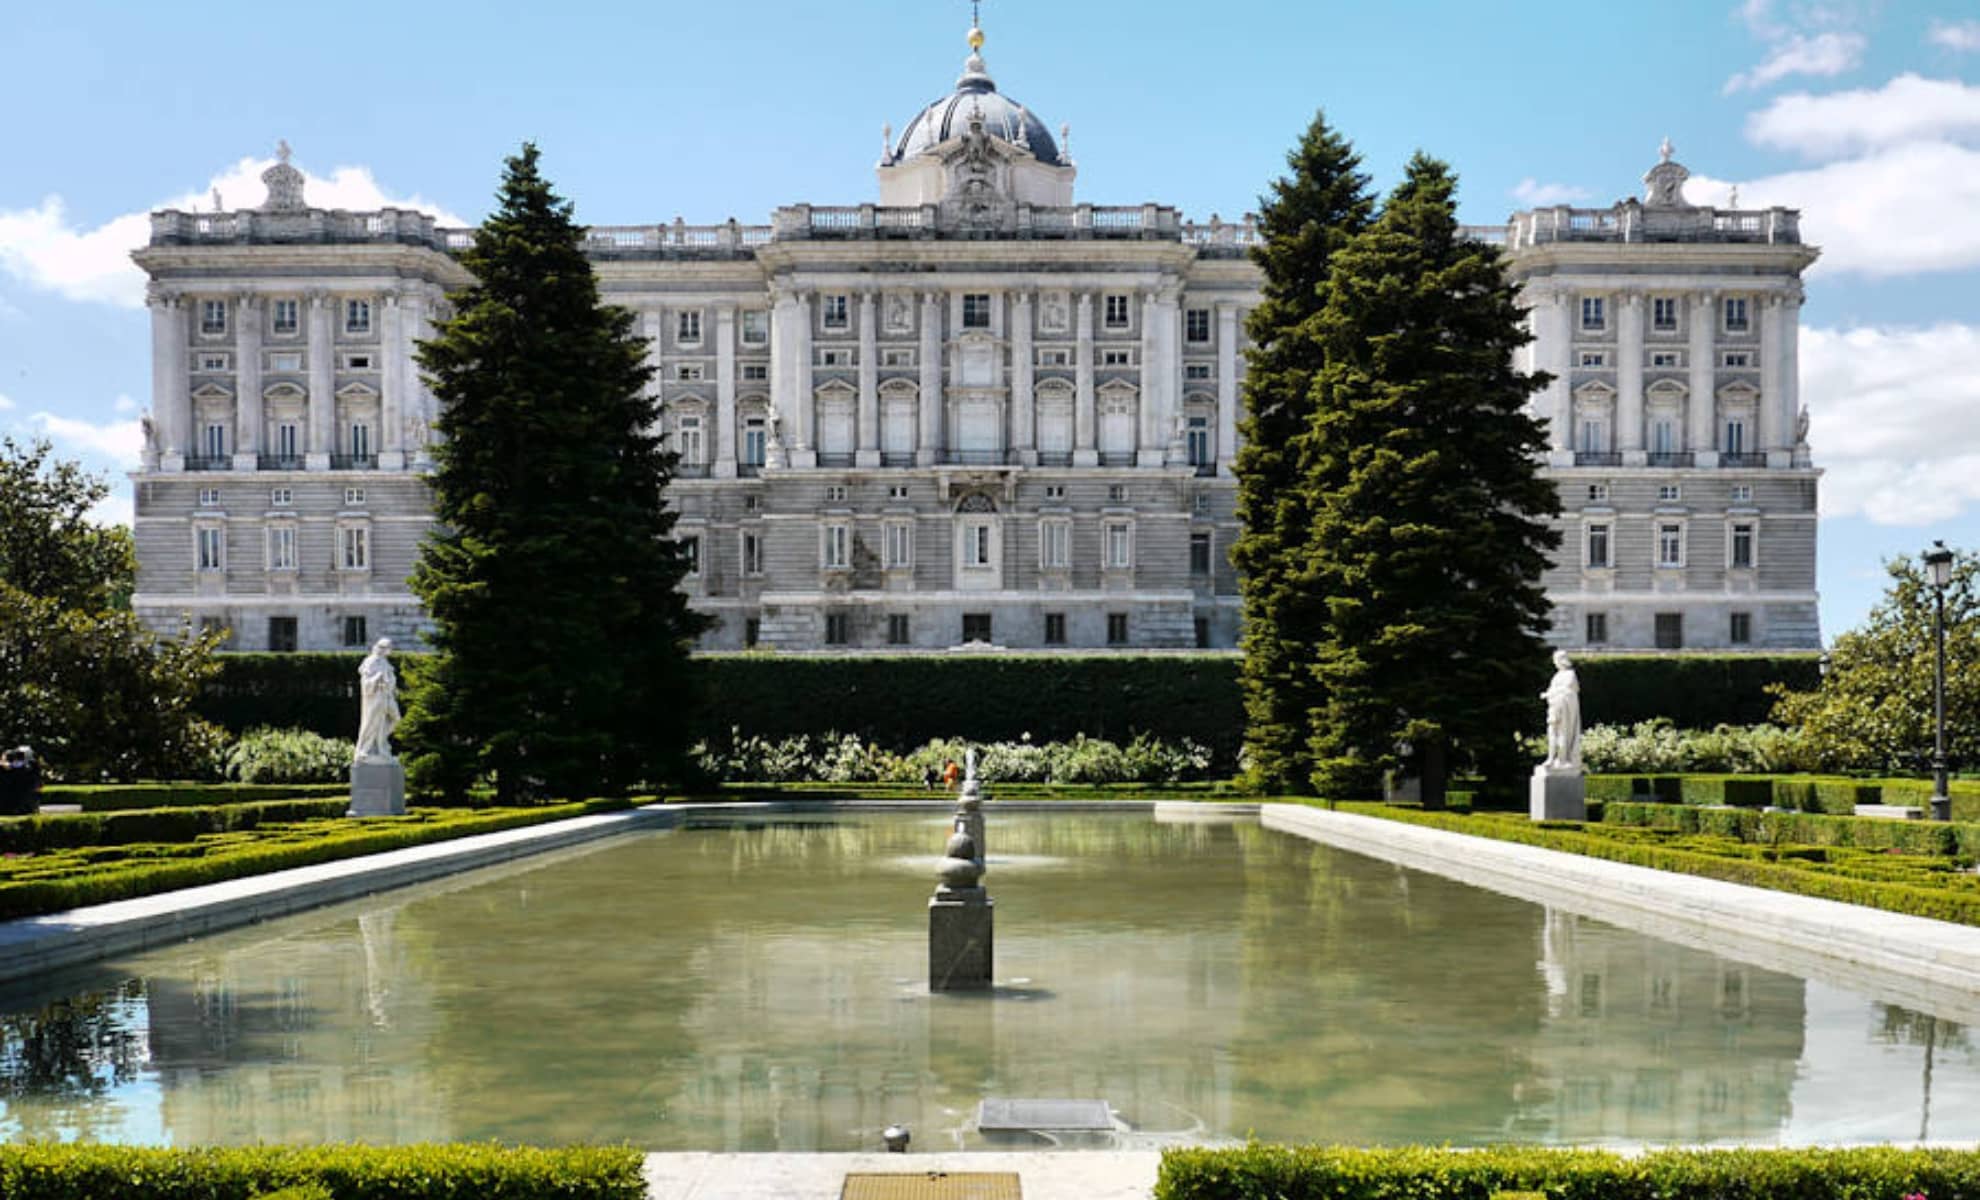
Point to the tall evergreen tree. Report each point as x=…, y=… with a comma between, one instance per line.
x=1430, y=520
x=1310, y=213
x=552, y=576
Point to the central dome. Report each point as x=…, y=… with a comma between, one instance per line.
x=976, y=95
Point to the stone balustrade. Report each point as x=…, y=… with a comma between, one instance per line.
x=1632, y=221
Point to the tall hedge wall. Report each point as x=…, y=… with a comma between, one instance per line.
x=904, y=700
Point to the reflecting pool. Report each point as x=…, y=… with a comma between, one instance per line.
x=760, y=985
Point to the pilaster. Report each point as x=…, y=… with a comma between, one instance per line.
x=322, y=380
x=868, y=432
x=724, y=466
x=1701, y=415
x=1555, y=353
x=171, y=399
x=1773, y=432
x=392, y=353
x=1024, y=426
x=928, y=448
x=1227, y=387
x=1629, y=378
x=1789, y=411
x=1086, y=451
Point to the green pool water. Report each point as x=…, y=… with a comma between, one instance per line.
x=761, y=985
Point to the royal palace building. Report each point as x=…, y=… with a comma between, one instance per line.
x=977, y=410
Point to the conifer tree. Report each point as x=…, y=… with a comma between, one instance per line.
x=1309, y=215
x=1430, y=516
x=551, y=576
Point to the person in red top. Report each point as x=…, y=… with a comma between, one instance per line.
x=951, y=773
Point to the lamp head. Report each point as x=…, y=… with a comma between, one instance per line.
x=1939, y=562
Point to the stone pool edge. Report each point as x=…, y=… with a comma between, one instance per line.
x=1866, y=947
x=54, y=941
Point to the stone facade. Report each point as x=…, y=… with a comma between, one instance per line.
x=975, y=412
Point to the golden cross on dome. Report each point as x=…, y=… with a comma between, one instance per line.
x=976, y=24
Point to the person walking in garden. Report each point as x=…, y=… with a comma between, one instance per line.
x=950, y=774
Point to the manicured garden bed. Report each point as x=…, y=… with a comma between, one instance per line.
x=39, y=1171
x=55, y=880
x=1858, y=860
x=107, y=797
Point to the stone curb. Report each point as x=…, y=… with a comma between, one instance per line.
x=1923, y=963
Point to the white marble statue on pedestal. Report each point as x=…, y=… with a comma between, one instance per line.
x=1559, y=791
x=378, y=698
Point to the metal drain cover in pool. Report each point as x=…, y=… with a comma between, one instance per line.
x=934, y=1185
x=1044, y=1116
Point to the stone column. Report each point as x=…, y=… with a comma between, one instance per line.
x=929, y=447
x=802, y=452
x=171, y=402
x=1701, y=415
x=322, y=383
x=1150, y=436
x=725, y=392
x=1227, y=387
x=1629, y=378
x=1773, y=437
x=392, y=385
x=247, y=381
x=1788, y=413
x=1554, y=348
x=1086, y=451
x=419, y=415
x=868, y=452
x=1024, y=426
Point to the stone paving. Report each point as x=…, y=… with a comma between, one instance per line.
x=1063, y=1175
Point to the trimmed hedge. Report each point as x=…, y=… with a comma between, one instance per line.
x=1334, y=1173
x=61, y=880
x=1944, y=903
x=116, y=797
x=904, y=700
x=41, y=1171
x=66, y=831
x=1943, y=838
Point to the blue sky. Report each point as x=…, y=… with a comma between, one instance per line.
x=1858, y=113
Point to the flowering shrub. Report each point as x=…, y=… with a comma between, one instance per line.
x=844, y=758
x=1660, y=748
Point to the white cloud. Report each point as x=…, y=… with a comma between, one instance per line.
x=1890, y=419
x=120, y=442
x=1821, y=54
x=1535, y=194
x=1907, y=109
x=124, y=404
x=1961, y=35
x=44, y=247
x=1898, y=211
x=115, y=508
x=5, y=403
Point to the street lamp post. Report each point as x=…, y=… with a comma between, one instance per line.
x=1938, y=561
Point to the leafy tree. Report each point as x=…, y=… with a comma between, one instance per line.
x=552, y=576
x=1873, y=707
x=1309, y=215
x=97, y=695
x=1430, y=517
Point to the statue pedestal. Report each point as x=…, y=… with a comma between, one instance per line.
x=1558, y=794
x=959, y=940
x=378, y=788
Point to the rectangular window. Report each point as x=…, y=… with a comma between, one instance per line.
x=835, y=493
x=288, y=440
x=1117, y=312
x=897, y=491
x=976, y=310
x=1594, y=313
x=687, y=327
x=838, y=629
x=691, y=554
x=281, y=497
x=897, y=358
x=1738, y=359
x=1666, y=359
x=354, y=632
x=1202, y=629
x=1196, y=371
x=900, y=546
x=1668, y=493
x=213, y=316
x=282, y=316
x=1055, y=491
x=691, y=445
x=1197, y=442
x=755, y=326
x=1594, y=437
x=356, y=543
x=835, y=312
x=1742, y=493
x=1054, y=358
x=1670, y=544
x=1598, y=493
x=1664, y=435
x=281, y=547
x=357, y=362
x=1199, y=554
x=1196, y=325
x=1055, y=545
x=752, y=554
x=1117, y=629
x=835, y=358
x=687, y=373
x=1670, y=631
x=976, y=627
x=1594, y=359
x=755, y=372
x=1736, y=317
x=282, y=634
x=285, y=360
x=209, y=497
x=212, y=362
x=357, y=316
x=1741, y=631
x=752, y=627
x=1120, y=546
x=353, y=497
x=1595, y=628
x=1735, y=440
x=1117, y=493
x=360, y=441
x=212, y=543
x=897, y=629
x=1664, y=313
x=756, y=438
x=836, y=550
x=1117, y=358
x=215, y=440
x=976, y=546
x=1742, y=546
x=1598, y=545
x=1055, y=629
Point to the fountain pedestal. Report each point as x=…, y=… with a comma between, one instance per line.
x=960, y=935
